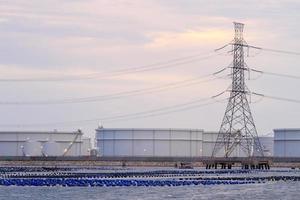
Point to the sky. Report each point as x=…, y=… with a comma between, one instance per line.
x=75, y=38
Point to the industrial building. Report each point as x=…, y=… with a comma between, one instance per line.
x=287, y=142
x=38, y=143
x=119, y=142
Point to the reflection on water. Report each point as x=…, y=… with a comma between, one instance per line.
x=270, y=190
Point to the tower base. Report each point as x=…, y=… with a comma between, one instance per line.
x=243, y=163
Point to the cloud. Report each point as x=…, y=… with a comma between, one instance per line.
x=188, y=39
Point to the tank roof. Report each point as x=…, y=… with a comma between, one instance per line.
x=39, y=132
x=286, y=129
x=147, y=129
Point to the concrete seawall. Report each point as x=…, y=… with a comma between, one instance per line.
x=126, y=161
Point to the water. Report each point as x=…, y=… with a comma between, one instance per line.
x=270, y=190
x=267, y=190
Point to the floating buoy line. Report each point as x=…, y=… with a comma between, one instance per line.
x=85, y=177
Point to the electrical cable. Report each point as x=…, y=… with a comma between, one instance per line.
x=261, y=48
x=174, y=85
x=275, y=74
x=268, y=49
x=164, y=113
x=101, y=75
x=278, y=51
x=152, y=112
x=277, y=98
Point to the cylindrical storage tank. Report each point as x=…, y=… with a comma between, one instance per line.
x=287, y=142
x=32, y=148
x=12, y=143
x=86, y=146
x=209, y=141
x=143, y=142
x=52, y=148
x=267, y=144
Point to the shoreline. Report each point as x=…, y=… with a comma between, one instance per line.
x=28, y=162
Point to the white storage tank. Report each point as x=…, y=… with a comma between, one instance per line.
x=159, y=143
x=11, y=142
x=32, y=148
x=86, y=146
x=287, y=142
x=209, y=141
x=51, y=148
x=149, y=142
x=267, y=144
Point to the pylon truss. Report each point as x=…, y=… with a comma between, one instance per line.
x=238, y=131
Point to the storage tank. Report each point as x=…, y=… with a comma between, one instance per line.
x=267, y=144
x=139, y=142
x=286, y=142
x=32, y=148
x=209, y=141
x=13, y=142
x=86, y=146
x=143, y=142
x=51, y=148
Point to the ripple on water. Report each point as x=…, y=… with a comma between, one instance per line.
x=271, y=190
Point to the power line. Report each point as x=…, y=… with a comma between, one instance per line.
x=100, y=75
x=164, y=113
x=275, y=74
x=156, y=111
x=277, y=98
x=261, y=48
x=273, y=50
x=174, y=85
x=277, y=51
x=147, y=113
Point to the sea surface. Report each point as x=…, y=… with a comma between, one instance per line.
x=270, y=190
x=281, y=189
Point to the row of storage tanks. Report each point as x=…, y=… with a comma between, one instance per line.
x=119, y=142
x=164, y=143
x=38, y=143
x=186, y=143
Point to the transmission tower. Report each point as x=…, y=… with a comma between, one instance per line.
x=238, y=130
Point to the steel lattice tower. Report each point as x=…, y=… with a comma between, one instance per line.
x=238, y=129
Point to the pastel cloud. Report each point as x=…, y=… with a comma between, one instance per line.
x=188, y=39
